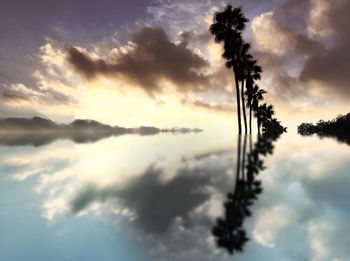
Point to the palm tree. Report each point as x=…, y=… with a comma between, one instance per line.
x=249, y=99
x=273, y=126
x=243, y=64
x=264, y=114
x=252, y=73
x=227, y=27
x=269, y=112
x=256, y=96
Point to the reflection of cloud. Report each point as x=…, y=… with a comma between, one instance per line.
x=304, y=204
x=173, y=214
x=270, y=218
x=156, y=203
x=170, y=213
x=23, y=166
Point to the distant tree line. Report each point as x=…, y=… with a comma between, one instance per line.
x=227, y=28
x=337, y=128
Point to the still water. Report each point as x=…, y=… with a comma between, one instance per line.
x=159, y=197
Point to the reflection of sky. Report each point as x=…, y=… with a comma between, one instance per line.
x=157, y=197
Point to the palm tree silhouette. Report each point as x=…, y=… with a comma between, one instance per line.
x=243, y=65
x=268, y=112
x=264, y=115
x=227, y=27
x=249, y=99
x=257, y=95
x=273, y=125
x=228, y=230
x=252, y=93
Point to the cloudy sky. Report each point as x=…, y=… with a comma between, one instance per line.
x=154, y=63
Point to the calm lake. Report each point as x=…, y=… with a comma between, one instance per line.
x=158, y=197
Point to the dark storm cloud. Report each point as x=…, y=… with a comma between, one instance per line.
x=24, y=25
x=325, y=59
x=195, y=38
x=284, y=84
x=13, y=96
x=292, y=13
x=275, y=62
x=153, y=58
x=332, y=65
x=27, y=94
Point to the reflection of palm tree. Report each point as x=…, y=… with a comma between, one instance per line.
x=228, y=230
x=227, y=27
x=243, y=158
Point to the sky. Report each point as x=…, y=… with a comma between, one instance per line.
x=133, y=63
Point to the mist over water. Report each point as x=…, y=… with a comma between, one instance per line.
x=158, y=197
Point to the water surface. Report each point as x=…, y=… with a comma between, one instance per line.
x=159, y=197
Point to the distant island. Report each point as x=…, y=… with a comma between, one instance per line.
x=338, y=128
x=39, y=131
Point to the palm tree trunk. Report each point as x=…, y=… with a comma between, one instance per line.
x=250, y=144
x=257, y=117
x=238, y=104
x=243, y=106
x=250, y=119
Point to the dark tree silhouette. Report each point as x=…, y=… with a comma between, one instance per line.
x=264, y=114
x=228, y=231
x=337, y=128
x=245, y=58
x=227, y=27
x=258, y=95
x=252, y=93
